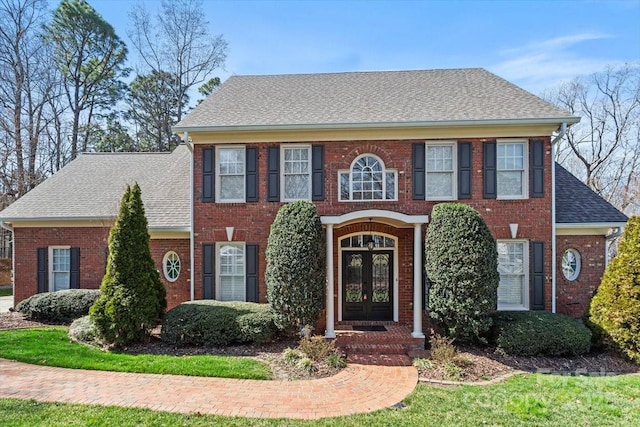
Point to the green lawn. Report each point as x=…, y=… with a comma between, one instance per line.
x=6, y=292
x=528, y=400
x=51, y=347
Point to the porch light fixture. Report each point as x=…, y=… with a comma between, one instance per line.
x=370, y=242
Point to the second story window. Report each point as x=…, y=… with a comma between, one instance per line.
x=511, y=180
x=231, y=171
x=440, y=171
x=296, y=167
x=368, y=180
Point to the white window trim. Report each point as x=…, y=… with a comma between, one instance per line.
x=525, y=164
x=244, y=272
x=283, y=147
x=385, y=170
x=164, y=266
x=527, y=290
x=218, y=180
x=50, y=272
x=453, y=144
x=578, y=270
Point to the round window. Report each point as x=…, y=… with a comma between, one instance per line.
x=571, y=264
x=171, y=266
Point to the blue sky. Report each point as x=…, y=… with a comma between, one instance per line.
x=535, y=44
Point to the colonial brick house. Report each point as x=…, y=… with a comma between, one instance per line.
x=374, y=151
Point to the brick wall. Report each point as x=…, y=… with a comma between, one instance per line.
x=574, y=296
x=92, y=242
x=252, y=220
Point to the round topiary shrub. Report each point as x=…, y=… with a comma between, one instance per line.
x=614, y=312
x=296, y=271
x=461, y=263
x=216, y=323
x=83, y=330
x=529, y=333
x=61, y=307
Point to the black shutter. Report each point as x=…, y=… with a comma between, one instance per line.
x=74, y=277
x=208, y=271
x=464, y=170
x=419, y=178
x=537, y=275
x=317, y=172
x=42, y=270
x=489, y=171
x=208, y=175
x=536, y=160
x=252, y=273
x=252, y=174
x=273, y=174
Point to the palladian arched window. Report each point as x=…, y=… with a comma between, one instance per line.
x=368, y=179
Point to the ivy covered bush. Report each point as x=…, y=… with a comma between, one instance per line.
x=296, y=269
x=461, y=264
x=614, y=312
x=538, y=333
x=132, y=296
x=216, y=323
x=58, y=307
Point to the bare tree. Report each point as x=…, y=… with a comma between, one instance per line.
x=604, y=148
x=177, y=41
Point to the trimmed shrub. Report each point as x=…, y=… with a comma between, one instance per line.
x=83, y=330
x=461, y=262
x=216, y=323
x=614, y=312
x=533, y=333
x=296, y=270
x=132, y=297
x=58, y=307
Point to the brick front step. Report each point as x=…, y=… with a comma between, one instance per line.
x=396, y=340
x=375, y=348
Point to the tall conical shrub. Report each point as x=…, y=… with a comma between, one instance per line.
x=132, y=296
x=461, y=262
x=614, y=312
x=296, y=270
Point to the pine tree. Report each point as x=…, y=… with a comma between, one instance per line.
x=132, y=296
x=614, y=312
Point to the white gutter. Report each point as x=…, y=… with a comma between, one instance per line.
x=376, y=125
x=561, y=133
x=191, y=221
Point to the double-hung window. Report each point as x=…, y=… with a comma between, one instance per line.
x=513, y=290
x=368, y=179
x=440, y=171
x=231, y=174
x=296, y=172
x=231, y=272
x=511, y=176
x=59, y=267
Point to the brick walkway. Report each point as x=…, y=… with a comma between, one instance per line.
x=356, y=389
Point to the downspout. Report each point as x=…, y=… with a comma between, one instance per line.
x=191, y=220
x=559, y=136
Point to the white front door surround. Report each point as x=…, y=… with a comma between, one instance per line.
x=395, y=219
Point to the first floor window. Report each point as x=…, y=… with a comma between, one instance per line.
x=296, y=173
x=571, y=264
x=511, y=179
x=513, y=288
x=60, y=268
x=231, y=170
x=171, y=266
x=231, y=272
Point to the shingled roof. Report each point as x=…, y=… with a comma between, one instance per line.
x=576, y=203
x=361, y=98
x=91, y=187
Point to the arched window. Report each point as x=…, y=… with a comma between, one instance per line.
x=368, y=180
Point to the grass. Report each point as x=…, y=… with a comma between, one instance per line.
x=51, y=347
x=6, y=292
x=526, y=400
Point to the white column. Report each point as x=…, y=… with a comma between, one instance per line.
x=417, y=282
x=329, y=332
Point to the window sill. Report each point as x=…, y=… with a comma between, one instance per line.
x=512, y=307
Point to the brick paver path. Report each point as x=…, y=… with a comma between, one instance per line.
x=356, y=389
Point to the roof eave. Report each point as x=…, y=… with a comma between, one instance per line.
x=422, y=124
x=587, y=228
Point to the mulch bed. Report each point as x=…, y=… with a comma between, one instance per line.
x=474, y=363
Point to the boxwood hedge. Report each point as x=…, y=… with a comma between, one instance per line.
x=538, y=333
x=58, y=307
x=216, y=323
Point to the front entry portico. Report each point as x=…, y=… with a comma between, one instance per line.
x=368, y=280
